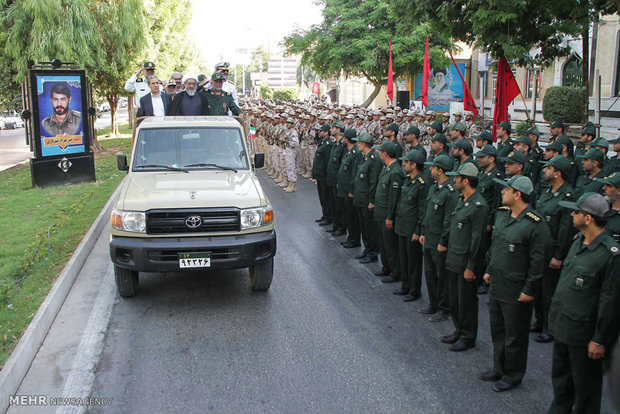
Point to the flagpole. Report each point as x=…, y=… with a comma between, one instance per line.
x=527, y=112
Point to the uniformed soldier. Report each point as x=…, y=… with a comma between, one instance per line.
x=592, y=162
x=408, y=226
x=462, y=153
x=364, y=188
x=531, y=168
x=386, y=200
x=584, y=310
x=218, y=101
x=335, y=158
x=517, y=261
x=446, y=123
x=534, y=134
x=467, y=226
x=472, y=130
x=457, y=131
x=514, y=163
x=390, y=134
x=433, y=129
x=611, y=185
x=63, y=120
x=319, y=173
x=556, y=129
x=484, y=138
x=441, y=200
x=346, y=175
x=412, y=137
x=227, y=86
x=560, y=231
x=587, y=135
x=290, y=154
x=504, y=147
x=139, y=86
x=615, y=160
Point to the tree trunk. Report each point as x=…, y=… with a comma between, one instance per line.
x=113, y=101
x=373, y=95
x=585, y=72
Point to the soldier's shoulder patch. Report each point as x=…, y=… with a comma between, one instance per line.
x=421, y=180
x=478, y=204
x=611, y=245
x=372, y=156
x=533, y=216
x=395, y=184
x=504, y=208
x=449, y=186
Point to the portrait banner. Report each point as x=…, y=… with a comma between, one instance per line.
x=444, y=86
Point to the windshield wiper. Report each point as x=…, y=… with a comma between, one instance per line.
x=221, y=167
x=162, y=166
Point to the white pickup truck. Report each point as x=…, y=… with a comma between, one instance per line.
x=11, y=120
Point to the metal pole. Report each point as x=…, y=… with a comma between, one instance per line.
x=597, y=108
x=534, y=96
x=481, y=92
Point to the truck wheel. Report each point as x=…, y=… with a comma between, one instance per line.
x=126, y=281
x=261, y=274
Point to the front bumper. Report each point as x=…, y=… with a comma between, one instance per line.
x=160, y=254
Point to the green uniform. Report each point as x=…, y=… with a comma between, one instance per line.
x=319, y=173
x=517, y=262
x=584, y=308
x=470, y=159
x=502, y=152
x=346, y=175
x=613, y=224
x=586, y=184
x=70, y=125
x=430, y=158
x=491, y=192
x=336, y=203
x=386, y=200
x=440, y=203
x=220, y=104
x=409, y=216
x=364, y=188
x=467, y=226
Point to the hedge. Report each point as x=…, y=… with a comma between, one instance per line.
x=563, y=103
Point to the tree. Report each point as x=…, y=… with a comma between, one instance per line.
x=353, y=37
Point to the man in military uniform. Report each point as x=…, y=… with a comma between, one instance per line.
x=534, y=134
x=611, y=185
x=391, y=133
x=319, y=173
x=560, y=231
x=556, y=129
x=514, y=163
x=374, y=128
x=139, y=86
x=291, y=147
x=584, y=311
x=218, y=101
x=446, y=123
x=433, y=129
x=484, y=138
x=346, y=175
x=441, y=200
x=412, y=137
x=462, y=153
x=227, y=86
x=64, y=120
x=333, y=165
x=364, y=189
x=504, y=147
x=472, y=130
x=467, y=227
x=408, y=227
x=517, y=261
x=386, y=200
x=531, y=167
x=592, y=162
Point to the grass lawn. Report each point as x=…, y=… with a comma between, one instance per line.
x=39, y=230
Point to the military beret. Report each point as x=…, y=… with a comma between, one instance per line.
x=467, y=170
x=519, y=183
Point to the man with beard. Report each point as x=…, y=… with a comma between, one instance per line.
x=189, y=102
x=220, y=102
x=63, y=121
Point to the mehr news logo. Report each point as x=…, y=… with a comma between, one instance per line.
x=43, y=400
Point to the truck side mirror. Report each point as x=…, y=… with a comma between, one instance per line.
x=121, y=162
x=259, y=160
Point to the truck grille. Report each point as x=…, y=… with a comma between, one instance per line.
x=211, y=221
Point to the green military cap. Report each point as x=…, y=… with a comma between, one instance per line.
x=387, y=146
x=350, y=133
x=600, y=142
x=485, y=136
x=588, y=130
x=520, y=183
x=506, y=125
x=524, y=140
x=534, y=131
x=364, y=137
x=325, y=127
x=594, y=154
x=217, y=76
x=149, y=65
x=557, y=124
x=461, y=143
x=612, y=179
x=514, y=156
x=561, y=163
x=467, y=170
x=443, y=161
x=413, y=130
x=564, y=140
x=459, y=126
x=222, y=65
x=339, y=124
x=441, y=138
x=393, y=127
x=415, y=156
x=592, y=203
x=436, y=125
x=555, y=146
x=614, y=141
x=487, y=150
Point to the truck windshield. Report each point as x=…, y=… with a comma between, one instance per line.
x=190, y=149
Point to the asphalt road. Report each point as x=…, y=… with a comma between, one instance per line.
x=328, y=337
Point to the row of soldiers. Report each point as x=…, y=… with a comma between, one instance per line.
x=503, y=218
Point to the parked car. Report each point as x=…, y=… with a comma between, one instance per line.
x=11, y=120
x=104, y=107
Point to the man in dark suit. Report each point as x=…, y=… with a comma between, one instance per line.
x=190, y=101
x=155, y=103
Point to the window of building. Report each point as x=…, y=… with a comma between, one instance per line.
x=532, y=78
x=572, y=73
x=514, y=73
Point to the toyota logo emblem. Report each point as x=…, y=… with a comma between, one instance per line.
x=193, y=222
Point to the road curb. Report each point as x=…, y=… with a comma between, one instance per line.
x=19, y=362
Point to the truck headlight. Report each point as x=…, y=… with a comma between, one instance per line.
x=133, y=221
x=256, y=217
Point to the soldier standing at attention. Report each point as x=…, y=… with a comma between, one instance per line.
x=504, y=147
x=592, y=162
x=386, y=200
x=611, y=185
x=441, y=200
x=218, y=101
x=290, y=155
x=584, y=310
x=333, y=165
x=467, y=227
x=319, y=173
x=346, y=174
x=517, y=262
x=409, y=216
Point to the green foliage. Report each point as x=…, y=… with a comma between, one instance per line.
x=285, y=94
x=265, y=92
x=521, y=127
x=562, y=102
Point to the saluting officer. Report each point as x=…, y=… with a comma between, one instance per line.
x=517, y=261
x=584, y=310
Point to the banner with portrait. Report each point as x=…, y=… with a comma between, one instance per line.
x=444, y=87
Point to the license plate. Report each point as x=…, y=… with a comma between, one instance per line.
x=192, y=260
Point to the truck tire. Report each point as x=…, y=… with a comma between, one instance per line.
x=126, y=281
x=261, y=274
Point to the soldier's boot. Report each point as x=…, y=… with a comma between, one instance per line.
x=284, y=183
x=279, y=178
x=307, y=174
x=291, y=188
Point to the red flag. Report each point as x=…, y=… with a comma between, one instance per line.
x=426, y=76
x=390, y=83
x=506, y=89
x=316, y=86
x=468, y=100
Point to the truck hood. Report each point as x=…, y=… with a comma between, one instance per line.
x=160, y=190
